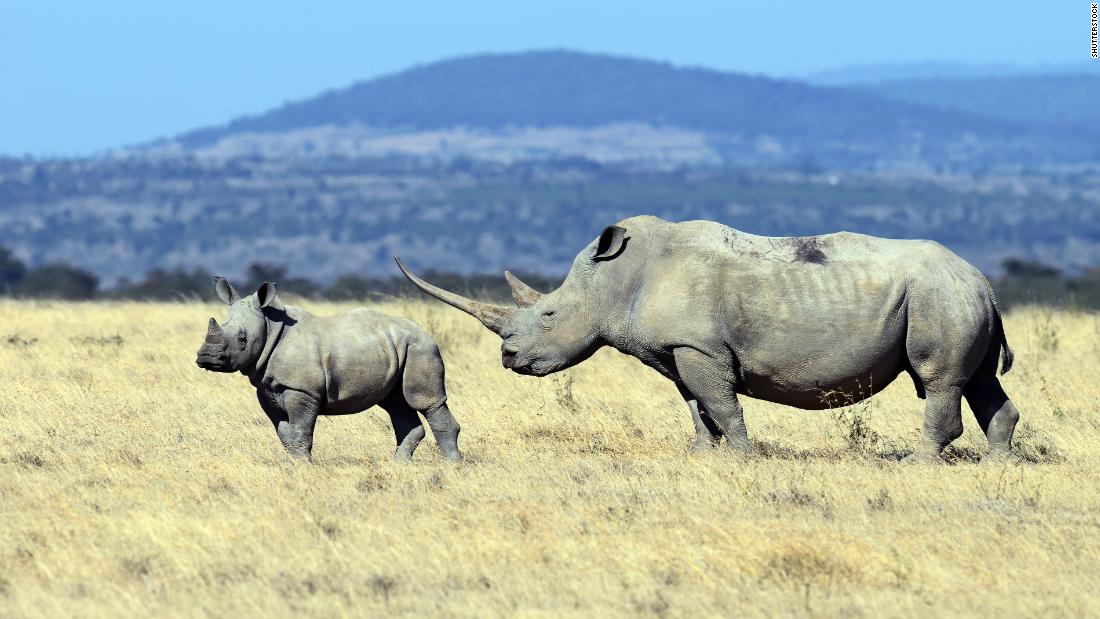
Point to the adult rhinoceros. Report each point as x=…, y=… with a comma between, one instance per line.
x=808, y=322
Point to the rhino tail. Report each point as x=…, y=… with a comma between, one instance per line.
x=1006, y=352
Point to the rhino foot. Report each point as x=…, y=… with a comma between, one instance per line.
x=703, y=445
x=298, y=455
x=451, y=454
x=922, y=457
x=1001, y=457
x=739, y=446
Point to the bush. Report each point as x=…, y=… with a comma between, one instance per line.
x=1027, y=282
x=161, y=284
x=12, y=271
x=59, y=281
x=260, y=272
x=353, y=287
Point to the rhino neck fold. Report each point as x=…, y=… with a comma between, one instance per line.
x=276, y=318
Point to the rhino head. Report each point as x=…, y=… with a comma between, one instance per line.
x=238, y=343
x=549, y=332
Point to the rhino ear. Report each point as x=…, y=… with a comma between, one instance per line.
x=612, y=242
x=266, y=294
x=225, y=290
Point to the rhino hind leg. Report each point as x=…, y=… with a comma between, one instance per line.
x=445, y=429
x=942, y=423
x=407, y=428
x=707, y=379
x=422, y=386
x=995, y=413
x=944, y=348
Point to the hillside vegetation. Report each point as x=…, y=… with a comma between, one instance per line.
x=134, y=484
x=324, y=218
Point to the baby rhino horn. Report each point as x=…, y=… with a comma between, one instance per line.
x=214, y=333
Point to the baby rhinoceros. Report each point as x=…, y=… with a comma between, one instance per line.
x=303, y=366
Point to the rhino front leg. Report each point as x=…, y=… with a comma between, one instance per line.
x=707, y=433
x=297, y=435
x=710, y=380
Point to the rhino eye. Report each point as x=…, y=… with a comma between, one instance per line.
x=547, y=319
x=242, y=339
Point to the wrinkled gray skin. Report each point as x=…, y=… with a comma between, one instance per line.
x=303, y=366
x=810, y=322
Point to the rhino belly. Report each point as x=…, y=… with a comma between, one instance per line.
x=353, y=387
x=354, y=404
x=826, y=375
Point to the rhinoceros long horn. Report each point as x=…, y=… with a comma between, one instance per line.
x=492, y=316
x=214, y=333
x=524, y=295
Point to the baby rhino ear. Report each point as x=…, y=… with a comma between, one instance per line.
x=225, y=290
x=266, y=294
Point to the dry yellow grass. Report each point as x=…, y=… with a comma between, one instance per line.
x=133, y=483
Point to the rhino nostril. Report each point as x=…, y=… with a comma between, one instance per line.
x=205, y=355
x=507, y=357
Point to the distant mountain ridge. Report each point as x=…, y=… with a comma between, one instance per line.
x=558, y=88
x=1054, y=100
x=862, y=74
x=542, y=104
x=1057, y=96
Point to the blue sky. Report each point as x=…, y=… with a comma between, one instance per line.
x=77, y=77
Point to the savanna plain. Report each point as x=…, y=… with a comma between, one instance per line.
x=132, y=483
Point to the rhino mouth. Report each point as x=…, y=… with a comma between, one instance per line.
x=213, y=362
x=530, y=368
x=511, y=359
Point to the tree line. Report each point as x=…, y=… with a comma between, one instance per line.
x=64, y=281
x=1022, y=282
